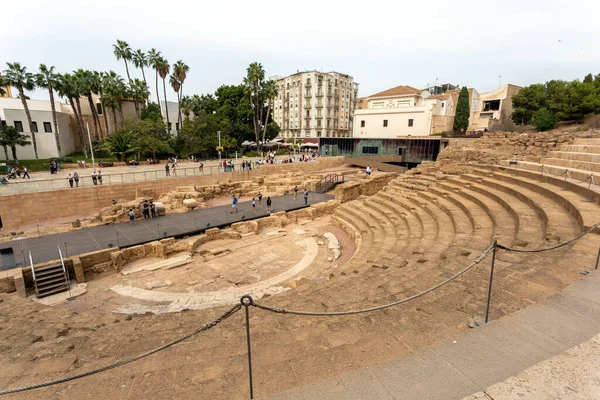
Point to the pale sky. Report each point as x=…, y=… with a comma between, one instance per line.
x=380, y=43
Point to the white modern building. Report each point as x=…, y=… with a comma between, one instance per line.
x=314, y=104
x=12, y=113
x=173, y=108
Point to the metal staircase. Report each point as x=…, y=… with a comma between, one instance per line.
x=328, y=182
x=50, y=279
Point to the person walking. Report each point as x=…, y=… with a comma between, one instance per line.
x=70, y=179
x=173, y=168
x=253, y=205
x=234, y=204
x=76, y=178
x=305, y=197
x=26, y=173
x=131, y=215
x=201, y=167
x=269, y=202
x=153, y=209
x=167, y=169
x=259, y=199
x=94, y=177
x=368, y=171
x=146, y=209
x=295, y=192
x=100, y=177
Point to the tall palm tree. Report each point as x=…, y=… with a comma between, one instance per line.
x=69, y=89
x=138, y=90
x=10, y=137
x=48, y=79
x=3, y=84
x=163, y=71
x=88, y=86
x=122, y=51
x=17, y=76
x=253, y=81
x=99, y=79
x=180, y=70
x=176, y=85
x=269, y=90
x=154, y=60
x=140, y=60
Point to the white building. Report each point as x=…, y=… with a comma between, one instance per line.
x=314, y=104
x=173, y=108
x=401, y=111
x=12, y=113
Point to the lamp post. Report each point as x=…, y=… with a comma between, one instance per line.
x=219, y=137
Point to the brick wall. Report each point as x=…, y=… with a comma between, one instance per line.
x=31, y=208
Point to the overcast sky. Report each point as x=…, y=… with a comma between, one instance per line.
x=380, y=43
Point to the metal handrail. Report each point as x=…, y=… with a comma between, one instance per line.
x=66, y=275
x=31, y=263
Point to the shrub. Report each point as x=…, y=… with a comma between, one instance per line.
x=544, y=120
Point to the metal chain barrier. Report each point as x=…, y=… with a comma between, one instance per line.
x=381, y=307
x=553, y=247
x=201, y=328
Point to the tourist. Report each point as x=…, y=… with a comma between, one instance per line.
x=253, y=205
x=295, y=192
x=131, y=215
x=57, y=166
x=167, y=169
x=269, y=204
x=70, y=179
x=153, y=209
x=174, y=169
x=146, y=209
x=76, y=178
x=83, y=163
x=368, y=171
x=234, y=203
x=94, y=178
x=100, y=177
x=259, y=199
x=326, y=151
x=26, y=173
x=305, y=197
x=201, y=167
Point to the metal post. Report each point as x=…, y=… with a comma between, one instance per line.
x=247, y=302
x=487, y=309
x=597, y=258
x=565, y=186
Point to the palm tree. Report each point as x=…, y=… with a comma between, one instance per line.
x=87, y=85
x=68, y=88
x=138, y=90
x=10, y=137
x=115, y=90
x=180, y=70
x=48, y=79
x=99, y=80
x=176, y=85
x=140, y=60
x=154, y=60
x=163, y=71
x=3, y=84
x=253, y=82
x=123, y=51
x=17, y=76
x=269, y=90
x=120, y=143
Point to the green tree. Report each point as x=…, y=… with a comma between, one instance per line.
x=120, y=143
x=269, y=94
x=163, y=70
x=253, y=82
x=68, y=89
x=198, y=135
x=18, y=77
x=180, y=70
x=544, y=119
x=154, y=58
x=88, y=85
x=140, y=60
x=152, y=111
x=463, y=111
x=527, y=102
x=10, y=137
x=122, y=50
x=49, y=80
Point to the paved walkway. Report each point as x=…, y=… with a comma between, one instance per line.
x=479, y=358
x=45, y=248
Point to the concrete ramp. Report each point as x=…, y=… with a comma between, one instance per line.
x=380, y=163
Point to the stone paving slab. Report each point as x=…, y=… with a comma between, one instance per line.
x=45, y=248
x=482, y=357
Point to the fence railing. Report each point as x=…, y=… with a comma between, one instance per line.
x=246, y=302
x=19, y=185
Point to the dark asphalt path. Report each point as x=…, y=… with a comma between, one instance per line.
x=45, y=248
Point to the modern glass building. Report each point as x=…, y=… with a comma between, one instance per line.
x=410, y=150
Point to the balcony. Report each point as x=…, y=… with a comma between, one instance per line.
x=308, y=85
x=308, y=95
x=319, y=94
x=319, y=117
x=329, y=94
x=307, y=106
x=319, y=105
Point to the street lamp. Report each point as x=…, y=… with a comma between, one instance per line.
x=219, y=136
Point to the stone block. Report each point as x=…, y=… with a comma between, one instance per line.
x=190, y=204
x=78, y=267
x=96, y=257
x=7, y=285
x=245, y=227
x=144, y=192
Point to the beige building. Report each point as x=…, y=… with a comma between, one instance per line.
x=401, y=111
x=315, y=104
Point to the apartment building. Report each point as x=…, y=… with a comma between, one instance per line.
x=314, y=104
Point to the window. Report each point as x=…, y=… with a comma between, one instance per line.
x=35, y=128
x=410, y=122
x=362, y=123
x=385, y=123
x=370, y=150
x=99, y=108
x=47, y=127
x=177, y=126
x=170, y=125
x=18, y=126
x=443, y=105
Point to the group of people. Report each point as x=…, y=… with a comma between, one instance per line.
x=304, y=195
x=171, y=169
x=16, y=172
x=148, y=211
x=74, y=178
x=54, y=167
x=259, y=197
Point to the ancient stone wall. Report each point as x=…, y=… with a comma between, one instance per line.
x=367, y=186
